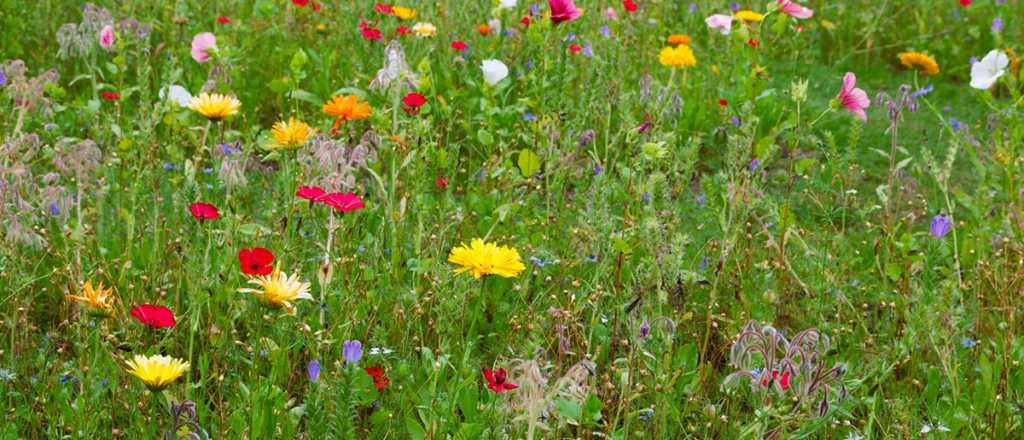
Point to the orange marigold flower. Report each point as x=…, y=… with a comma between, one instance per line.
x=677, y=39
x=347, y=108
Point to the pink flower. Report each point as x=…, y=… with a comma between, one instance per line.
x=721, y=22
x=107, y=37
x=853, y=99
x=794, y=10
x=343, y=202
x=201, y=45
x=563, y=10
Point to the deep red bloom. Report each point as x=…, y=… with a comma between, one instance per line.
x=642, y=128
x=372, y=34
x=629, y=6
x=111, y=96
x=525, y=21
x=223, y=20
x=316, y=7
x=441, y=182
x=256, y=261
x=459, y=46
x=203, y=211
x=403, y=30
x=965, y=3
x=382, y=8
x=343, y=202
x=379, y=379
x=154, y=316
x=753, y=43
x=311, y=193
x=784, y=380
x=300, y=3
x=722, y=102
x=575, y=48
x=496, y=380
x=412, y=102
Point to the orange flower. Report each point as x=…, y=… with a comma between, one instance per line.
x=483, y=29
x=677, y=39
x=347, y=108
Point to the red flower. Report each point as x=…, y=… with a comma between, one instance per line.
x=300, y=3
x=316, y=7
x=343, y=202
x=111, y=96
x=629, y=6
x=412, y=102
x=525, y=21
x=311, y=193
x=575, y=48
x=256, y=261
x=753, y=43
x=483, y=29
x=441, y=182
x=379, y=379
x=496, y=380
x=784, y=380
x=154, y=316
x=402, y=30
x=223, y=20
x=382, y=8
x=203, y=211
x=459, y=46
x=965, y=3
x=372, y=34
x=722, y=102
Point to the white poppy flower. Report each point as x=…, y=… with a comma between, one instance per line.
x=494, y=71
x=984, y=73
x=176, y=94
x=509, y=4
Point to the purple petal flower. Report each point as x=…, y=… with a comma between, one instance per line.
x=314, y=370
x=606, y=31
x=3, y=78
x=997, y=24
x=352, y=351
x=753, y=165
x=54, y=210
x=734, y=6
x=693, y=8
x=941, y=225
x=645, y=329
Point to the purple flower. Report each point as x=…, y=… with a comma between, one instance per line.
x=973, y=60
x=646, y=196
x=735, y=120
x=529, y=117
x=606, y=31
x=753, y=165
x=352, y=350
x=645, y=329
x=955, y=124
x=941, y=224
x=704, y=261
x=3, y=78
x=588, y=50
x=598, y=169
x=997, y=24
x=701, y=200
x=693, y=8
x=314, y=370
x=535, y=9
x=922, y=91
x=734, y=6
x=54, y=210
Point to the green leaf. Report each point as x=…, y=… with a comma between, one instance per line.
x=303, y=95
x=485, y=137
x=894, y=271
x=414, y=429
x=569, y=410
x=529, y=162
x=467, y=403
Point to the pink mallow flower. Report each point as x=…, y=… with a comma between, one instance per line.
x=201, y=45
x=723, y=23
x=794, y=10
x=107, y=37
x=563, y=10
x=853, y=99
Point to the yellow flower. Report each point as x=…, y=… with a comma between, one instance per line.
x=919, y=61
x=291, y=134
x=278, y=289
x=347, y=108
x=99, y=300
x=403, y=13
x=679, y=56
x=678, y=39
x=749, y=16
x=157, y=371
x=214, y=106
x=486, y=259
x=424, y=29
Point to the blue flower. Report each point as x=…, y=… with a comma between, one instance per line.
x=3, y=78
x=592, y=258
x=753, y=165
x=314, y=370
x=529, y=117
x=54, y=210
x=606, y=31
x=168, y=166
x=588, y=50
x=6, y=375
x=955, y=124
x=352, y=351
x=537, y=261
x=968, y=343
x=598, y=170
x=997, y=24
x=693, y=8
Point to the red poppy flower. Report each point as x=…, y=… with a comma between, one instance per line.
x=784, y=379
x=753, y=43
x=496, y=380
x=154, y=316
x=722, y=102
x=343, y=202
x=525, y=21
x=111, y=96
x=223, y=20
x=300, y=3
x=203, y=211
x=379, y=379
x=575, y=48
x=629, y=6
x=256, y=261
x=311, y=193
x=316, y=7
x=965, y=3
x=402, y=30
x=372, y=34
x=412, y=102
x=459, y=46
x=382, y=8
x=441, y=182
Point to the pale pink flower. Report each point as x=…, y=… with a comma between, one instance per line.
x=563, y=10
x=853, y=99
x=201, y=45
x=107, y=37
x=610, y=14
x=721, y=22
x=794, y=10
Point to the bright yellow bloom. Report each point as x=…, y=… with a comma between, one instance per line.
x=749, y=16
x=100, y=301
x=278, y=289
x=403, y=13
x=291, y=134
x=157, y=371
x=678, y=39
x=919, y=61
x=214, y=106
x=486, y=259
x=679, y=56
x=424, y=29
x=347, y=108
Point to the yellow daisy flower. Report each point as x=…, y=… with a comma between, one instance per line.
x=291, y=134
x=749, y=16
x=214, y=106
x=99, y=300
x=403, y=13
x=279, y=289
x=920, y=61
x=679, y=56
x=157, y=371
x=481, y=259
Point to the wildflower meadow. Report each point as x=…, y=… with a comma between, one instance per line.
x=511, y=219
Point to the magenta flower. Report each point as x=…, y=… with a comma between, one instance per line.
x=201, y=45
x=563, y=10
x=107, y=37
x=853, y=99
x=794, y=10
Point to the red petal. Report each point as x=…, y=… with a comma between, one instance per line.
x=154, y=316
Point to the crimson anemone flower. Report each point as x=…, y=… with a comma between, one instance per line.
x=412, y=102
x=382, y=8
x=496, y=380
x=343, y=202
x=223, y=20
x=111, y=96
x=441, y=182
x=459, y=45
x=311, y=193
x=629, y=6
x=379, y=379
x=256, y=261
x=300, y=3
x=402, y=30
x=575, y=48
x=154, y=316
x=372, y=34
x=204, y=211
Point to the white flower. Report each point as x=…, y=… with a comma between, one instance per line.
x=176, y=94
x=424, y=30
x=984, y=73
x=926, y=428
x=494, y=71
x=495, y=25
x=509, y=4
